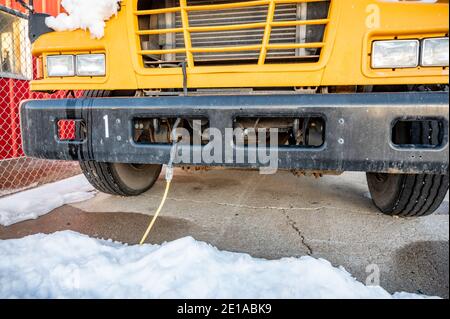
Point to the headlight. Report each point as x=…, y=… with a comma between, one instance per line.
x=60, y=65
x=435, y=52
x=91, y=65
x=395, y=54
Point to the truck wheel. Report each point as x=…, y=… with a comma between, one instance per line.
x=410, y=195
x=116, y=178
x=407, y=195
x=121, y=179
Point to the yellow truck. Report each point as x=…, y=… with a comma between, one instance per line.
x=325, y=86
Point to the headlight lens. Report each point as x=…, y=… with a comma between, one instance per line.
x=435, y=52
x=91, y=65
x=395, y=54
x=60, y=65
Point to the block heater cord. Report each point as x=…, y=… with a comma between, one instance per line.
x=169, y=177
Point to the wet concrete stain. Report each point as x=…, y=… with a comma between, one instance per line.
x=422, y=267
x=103, y=225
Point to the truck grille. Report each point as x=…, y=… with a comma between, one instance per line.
x=221, y=32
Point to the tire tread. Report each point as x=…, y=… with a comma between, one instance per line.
x=101, y=175
x=420, y=194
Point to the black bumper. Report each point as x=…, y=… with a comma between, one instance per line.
x=357, y=138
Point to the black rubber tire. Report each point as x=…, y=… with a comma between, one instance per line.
x=410, y=195
x=407, y=195
x=116, y=178
x=121, y=179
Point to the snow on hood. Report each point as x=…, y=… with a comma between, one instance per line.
x=70, y=265
x=84, y=14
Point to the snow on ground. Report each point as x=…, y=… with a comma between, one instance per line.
x=84, y=14
x=71, y=265
x=36, y=202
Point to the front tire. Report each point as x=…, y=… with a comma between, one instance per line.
x=407, y=195
x=121, y=179
x=412, y=195
x=117, y=178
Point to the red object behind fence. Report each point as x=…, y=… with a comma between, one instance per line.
x=67, y=130
x=52, y=7
x=13, y=91
x=10, y=142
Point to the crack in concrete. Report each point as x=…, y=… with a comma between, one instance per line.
x=280, y=208
x=294, y=226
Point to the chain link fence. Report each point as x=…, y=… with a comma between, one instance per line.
x=18, y=172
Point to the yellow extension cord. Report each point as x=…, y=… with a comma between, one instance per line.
x=152, y=222
x=169, y=176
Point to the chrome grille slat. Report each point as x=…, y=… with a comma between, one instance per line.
x=241, y=33
x=244, y=37
x=215, y=39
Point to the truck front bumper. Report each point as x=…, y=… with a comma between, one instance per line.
x=357, y=135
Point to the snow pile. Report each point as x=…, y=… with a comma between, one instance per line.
x=71, y=265
x=36, y=202
x=84, y=14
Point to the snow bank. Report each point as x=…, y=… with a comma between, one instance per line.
x=71, y=265
x=84, y=14
x=36, y=202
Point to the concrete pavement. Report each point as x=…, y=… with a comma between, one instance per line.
x=274, y=216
